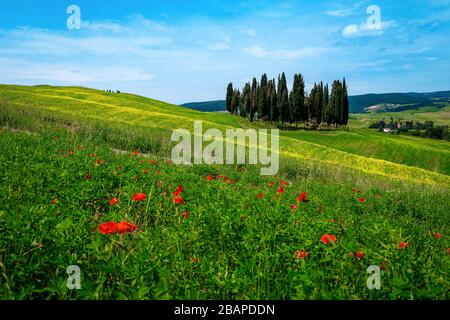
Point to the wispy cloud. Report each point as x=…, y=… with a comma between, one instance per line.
x=259, y=52
x=364, y=29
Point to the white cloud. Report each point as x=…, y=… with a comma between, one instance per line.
x=339, y=13
x=12, y=69
x=249, y=32
x=364, y=29
x=259, y=52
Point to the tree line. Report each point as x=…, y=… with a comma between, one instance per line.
x=268, y=100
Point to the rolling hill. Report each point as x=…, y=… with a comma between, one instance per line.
x=86, y=179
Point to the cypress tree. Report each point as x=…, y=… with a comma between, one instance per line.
x=229, y=98
x=274, y=113
x=246, y=99
x=345, y=104
x=283, y=99
x=254, y=99
x=235, y=101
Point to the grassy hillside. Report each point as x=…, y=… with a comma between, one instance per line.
x=373, y=200
x=439, y=115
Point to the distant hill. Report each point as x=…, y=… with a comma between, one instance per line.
x=381, y=102
x=396, y=101
x=208, y=106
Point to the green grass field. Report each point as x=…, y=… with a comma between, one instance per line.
x=241, y=239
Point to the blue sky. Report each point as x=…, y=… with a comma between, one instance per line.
x=182, y=51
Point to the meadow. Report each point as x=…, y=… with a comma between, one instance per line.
x=74, y=160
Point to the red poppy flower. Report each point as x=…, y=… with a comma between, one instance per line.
x=403, y=245
x=293, y=207
x=260, y=196
x=135, y=152
x=328, y=238
x=178, y=191
x=108, y=228
x=178, y=200
x=271, y=184
x=359, y=255
x=301, y=254
x=383, y=266
x=284, y=183
x=437, y=235
x=126, y=227
x=88, y=176
x=92, y=155
x=145, y=171
x=113, y=201
x=362, y=200
x=139, y=197
x=303, y=197
x=186, y=215
x=229, y=181
x=195, y=260
x=209, y=177
x=153, y=161
x=280, y=190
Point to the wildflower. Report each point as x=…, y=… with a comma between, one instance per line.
x=359, y=255
x=209, y=177
x=301, y=254
x=284, y=183
x=260, y=196
x=328, y=238
x=126, y=227
x=153, y=161
x=280, y=190
x=113, y=201
x=403, y=245
x=92, y=155
x=186, y=215
x=383, y=265
x=135, y=152
x=356, y=190
x=362, y=200
x=145, y=171
x=303, y=197
x=108, y=228
x=54, y=201
x=178, y=191
x=139, y=197
x=271, y=184
x=195, y=260
x=178, y=200
x=88, y=176
x=293, y=207
x=437, y=235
